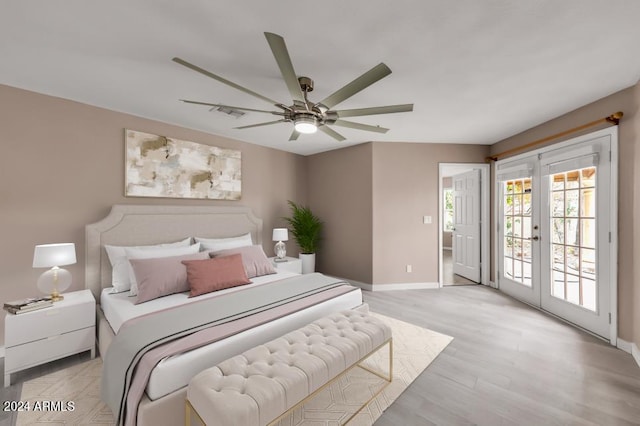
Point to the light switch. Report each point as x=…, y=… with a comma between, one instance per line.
x=426, y=219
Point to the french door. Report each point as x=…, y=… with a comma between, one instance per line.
x=554, y=226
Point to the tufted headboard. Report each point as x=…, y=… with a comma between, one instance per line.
x=129, y=225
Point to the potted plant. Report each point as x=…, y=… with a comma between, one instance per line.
x=305, y=228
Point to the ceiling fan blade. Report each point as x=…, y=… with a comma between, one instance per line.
x=294, y=135
x=389, y=109
x=329, y=131
x=360, y=83
x=223, y=80
x=280, y=52
x=232, y=107
x=360, y=126
x=261, y=124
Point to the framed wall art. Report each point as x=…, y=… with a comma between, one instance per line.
x=160, y=166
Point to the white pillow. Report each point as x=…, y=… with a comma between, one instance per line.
x=136, y=253
x=217, y=244
x=120, y=280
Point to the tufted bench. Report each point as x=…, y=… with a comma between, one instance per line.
x=263, y=384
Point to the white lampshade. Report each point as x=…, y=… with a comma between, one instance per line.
x=49, y=255
x=280, y=234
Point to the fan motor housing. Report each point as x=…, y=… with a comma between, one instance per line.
x=306, y=84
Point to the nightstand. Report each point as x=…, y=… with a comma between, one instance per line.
x=37, y=337
x=293, y=264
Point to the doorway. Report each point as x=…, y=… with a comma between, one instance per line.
x=464, y=224
x=555, y=230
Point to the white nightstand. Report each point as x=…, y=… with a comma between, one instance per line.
x=34, y=338
x=293, y=264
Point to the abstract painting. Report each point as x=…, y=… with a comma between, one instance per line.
x=160, y=166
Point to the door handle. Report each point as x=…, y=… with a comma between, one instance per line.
x=535, y=238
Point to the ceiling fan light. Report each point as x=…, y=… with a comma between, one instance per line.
x=305, y=125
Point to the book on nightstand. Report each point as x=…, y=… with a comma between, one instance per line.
x=28, y=305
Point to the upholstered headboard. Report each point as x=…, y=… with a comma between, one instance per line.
x=128, y=225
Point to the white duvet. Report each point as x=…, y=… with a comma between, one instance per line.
x=174, y=372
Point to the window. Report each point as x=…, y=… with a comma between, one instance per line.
x=448, y=210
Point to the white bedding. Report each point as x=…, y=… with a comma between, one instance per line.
x=174, y=372
x=119, y=307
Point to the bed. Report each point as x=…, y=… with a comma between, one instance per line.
x=130, y=225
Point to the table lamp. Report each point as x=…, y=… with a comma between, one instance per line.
x=53, y=256
x=280, y=235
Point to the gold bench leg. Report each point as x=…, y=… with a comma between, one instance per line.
x=389, y=379
x=188, y=408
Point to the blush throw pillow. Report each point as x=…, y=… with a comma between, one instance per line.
x=162, y=276
x=120, y=279
x=254, y=260
x=133, y=253
x=215, y=274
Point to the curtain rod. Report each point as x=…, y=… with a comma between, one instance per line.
x=613, y=119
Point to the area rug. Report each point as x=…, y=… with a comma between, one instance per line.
x=414, y=348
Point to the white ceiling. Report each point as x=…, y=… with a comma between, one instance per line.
x=477, y=70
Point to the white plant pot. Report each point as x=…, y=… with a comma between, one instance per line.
x=308, y=263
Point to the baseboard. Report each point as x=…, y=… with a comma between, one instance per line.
x=391, y=287
x=630, y=348
x=405, y=286
x=635, y=352
x=623, y=345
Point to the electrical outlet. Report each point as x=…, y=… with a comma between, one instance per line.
x=409, y=268
x=426, y=219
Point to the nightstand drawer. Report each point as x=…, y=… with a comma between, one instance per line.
x=35, y=353
x=292, y=264
x=58, y=319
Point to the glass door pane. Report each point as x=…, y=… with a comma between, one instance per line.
x=573, y=235
x=517, y=222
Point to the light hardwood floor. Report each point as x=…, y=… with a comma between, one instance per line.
x=509, y=364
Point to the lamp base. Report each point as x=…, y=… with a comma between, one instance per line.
x=281, y=251
x=53, y=281
x=56, y=297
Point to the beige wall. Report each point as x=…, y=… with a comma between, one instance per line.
x=626, y=101
x=632, y=134
x=62, y=167
x=372, y=198
x=405, y=188
x=340, y=194
x=447, y=238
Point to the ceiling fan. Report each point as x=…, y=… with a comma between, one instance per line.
x=307, y=116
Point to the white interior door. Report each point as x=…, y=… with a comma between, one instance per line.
x=554, y=231
x=465, y=242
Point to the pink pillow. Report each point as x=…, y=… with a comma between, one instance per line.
x=254, y=260
x=159, y=277
x=215, y=274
